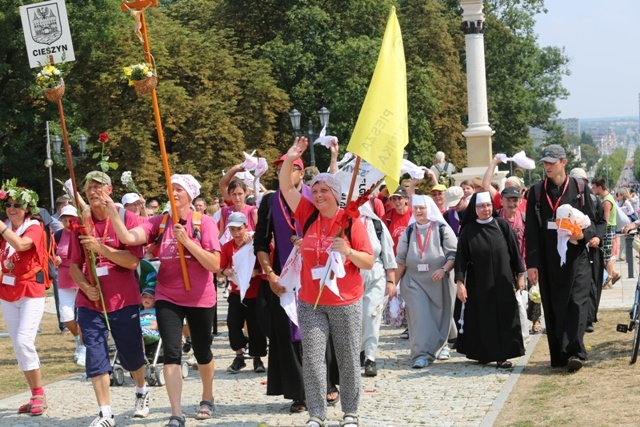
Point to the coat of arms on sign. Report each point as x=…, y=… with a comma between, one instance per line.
x=45, y=23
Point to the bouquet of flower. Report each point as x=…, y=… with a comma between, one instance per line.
x=142, y=76
x=138, y=72
x=127, y=181
x=49, y=77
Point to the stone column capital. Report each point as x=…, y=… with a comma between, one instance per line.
x=472, y=10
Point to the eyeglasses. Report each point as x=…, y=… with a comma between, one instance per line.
x=484, y=206
x=12, y=205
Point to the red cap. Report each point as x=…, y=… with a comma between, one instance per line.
x=298, y=162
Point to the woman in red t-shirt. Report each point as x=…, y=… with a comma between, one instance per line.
x=22, y=289
x=336, y=317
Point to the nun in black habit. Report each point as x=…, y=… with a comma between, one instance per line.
x=488, y=267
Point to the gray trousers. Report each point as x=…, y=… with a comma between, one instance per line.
x=372, y=304
x=343, y=325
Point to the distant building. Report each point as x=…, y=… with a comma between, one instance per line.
x=570, y=126
x=538, y=135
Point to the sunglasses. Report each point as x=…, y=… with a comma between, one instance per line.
x=12, y=205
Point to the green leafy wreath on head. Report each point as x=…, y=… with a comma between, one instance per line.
x=24, y=196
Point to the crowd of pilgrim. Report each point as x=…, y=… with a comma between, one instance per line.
x=449, y=266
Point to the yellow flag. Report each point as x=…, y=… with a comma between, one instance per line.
x=381, y=132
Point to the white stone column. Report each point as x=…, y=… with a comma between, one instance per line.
x=478, y=133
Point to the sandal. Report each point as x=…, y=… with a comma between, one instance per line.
x=350, y=420
x=298, y=406
x=206, y=409
x=37, y=405
x=25, y=409
x=315, y=422
x=615, y=278
x=181, y=421
x=537, y=327
x=504, y=364
x=333, y=390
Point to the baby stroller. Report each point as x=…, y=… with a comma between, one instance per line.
x=153, y=374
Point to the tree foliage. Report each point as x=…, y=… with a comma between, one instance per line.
x=230, y=71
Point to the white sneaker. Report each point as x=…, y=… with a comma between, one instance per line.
x=81, y=360
x=444, y=353
x=101, y=421
x=142, y=405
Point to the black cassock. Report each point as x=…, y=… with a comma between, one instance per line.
x=488, y=260
x=565, y=289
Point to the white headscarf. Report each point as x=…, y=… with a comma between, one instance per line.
x=433, y=212
x=483, y=197
x=189, y=183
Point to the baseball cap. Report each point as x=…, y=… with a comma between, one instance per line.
x=453, y=195
x=236, y=219
x=510, y=192
x=130, y=198
x=68, y=210
x=552, y=153
x=439, y=187
x=149, y=291
x=297, y=162
x=400, y=192
x=98, y=176
x=578, y=173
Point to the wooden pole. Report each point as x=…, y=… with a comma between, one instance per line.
x=353, y=179
x=141, y=5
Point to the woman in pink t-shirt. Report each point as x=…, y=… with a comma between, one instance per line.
x=337, y=317
x=173, y=303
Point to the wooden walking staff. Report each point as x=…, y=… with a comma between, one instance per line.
x=88, y=256
x=136, y=9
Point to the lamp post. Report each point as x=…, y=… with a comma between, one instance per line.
x=323, y=115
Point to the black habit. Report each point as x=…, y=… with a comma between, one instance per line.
x=488, y=260
x=565, y=289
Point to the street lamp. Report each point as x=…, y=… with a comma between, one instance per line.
x=295, y=116
x=82, y=145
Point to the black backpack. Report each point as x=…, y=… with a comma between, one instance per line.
x=537, y=188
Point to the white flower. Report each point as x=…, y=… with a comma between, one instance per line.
x=126, y=178
x=56, y=72
x=149, y=74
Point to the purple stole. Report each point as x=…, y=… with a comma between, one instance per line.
x=282, y=232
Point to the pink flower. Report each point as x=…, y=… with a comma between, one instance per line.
x=104, y=137
x=3, y=194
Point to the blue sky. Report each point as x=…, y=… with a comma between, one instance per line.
x=602, y=40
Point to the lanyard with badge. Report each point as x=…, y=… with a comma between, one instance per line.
x=101, y=270
x=9, y=278
x=551, y=224
x=316, y=272
x=422, y=247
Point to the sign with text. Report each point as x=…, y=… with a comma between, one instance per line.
x=46, y=32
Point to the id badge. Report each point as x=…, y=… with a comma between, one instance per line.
x=316, y=273
x=9, y=279
x=551, y=225
x=423, y=267
x=102, y=271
